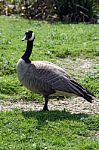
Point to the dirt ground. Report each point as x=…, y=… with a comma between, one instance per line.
x=75, y=105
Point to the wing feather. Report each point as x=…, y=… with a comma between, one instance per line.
x=47, y=77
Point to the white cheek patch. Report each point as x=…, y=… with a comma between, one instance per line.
x=32, y=37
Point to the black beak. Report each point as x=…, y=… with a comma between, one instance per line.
x=24, y=38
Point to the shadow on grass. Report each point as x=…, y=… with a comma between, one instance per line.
x=44, y=117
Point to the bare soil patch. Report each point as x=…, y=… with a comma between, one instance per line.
x=80, y=67
x=75, y=105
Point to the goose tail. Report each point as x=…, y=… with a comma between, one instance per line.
x=81, y=91
x=88, y=97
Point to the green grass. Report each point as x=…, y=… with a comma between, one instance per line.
x=53, y=41
x=54, y=130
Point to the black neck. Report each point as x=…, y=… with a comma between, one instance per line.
x=28, y=52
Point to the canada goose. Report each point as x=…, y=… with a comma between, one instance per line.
x=46, y=78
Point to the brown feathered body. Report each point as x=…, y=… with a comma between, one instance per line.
x=48, y=79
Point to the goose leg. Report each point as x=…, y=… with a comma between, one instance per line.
x=45, y=108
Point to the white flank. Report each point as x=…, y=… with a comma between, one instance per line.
x=61, y=93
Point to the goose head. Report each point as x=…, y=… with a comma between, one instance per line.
x=29, y=36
